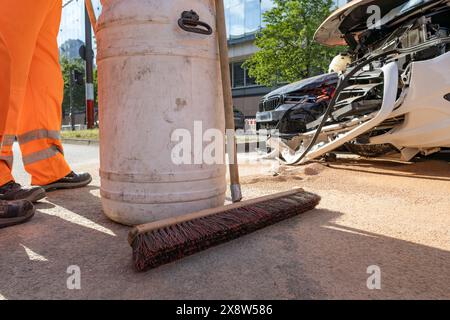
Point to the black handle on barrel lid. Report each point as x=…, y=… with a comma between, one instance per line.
x=190, y=22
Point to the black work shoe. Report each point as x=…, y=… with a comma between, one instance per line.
x=71, y=181
x=14, y=191
x=15, y=212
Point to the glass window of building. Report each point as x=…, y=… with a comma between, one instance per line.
x=266, y=5
x=252, y=16
x=238, y=75
x=235, y=17
x=249, y=81
x=244, y=17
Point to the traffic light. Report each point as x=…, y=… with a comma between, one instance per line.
x=78, y=77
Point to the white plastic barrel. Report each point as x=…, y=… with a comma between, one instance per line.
x=154, y=78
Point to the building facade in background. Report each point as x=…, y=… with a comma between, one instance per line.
x=244, y=20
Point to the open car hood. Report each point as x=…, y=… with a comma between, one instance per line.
x=353, y=17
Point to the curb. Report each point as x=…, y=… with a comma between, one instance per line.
x=84, y=142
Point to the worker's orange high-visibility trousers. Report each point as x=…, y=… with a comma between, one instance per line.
x=31, y=89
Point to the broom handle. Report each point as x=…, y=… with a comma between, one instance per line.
x=236, y=193
x=145, y=228
x=91, y=13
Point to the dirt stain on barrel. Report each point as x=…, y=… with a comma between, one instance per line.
x=142, y=73
x=181, y=103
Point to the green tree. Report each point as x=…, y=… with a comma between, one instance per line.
x=96, y=86
x=288, y=51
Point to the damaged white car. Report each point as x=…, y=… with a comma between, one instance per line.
x=394, y=89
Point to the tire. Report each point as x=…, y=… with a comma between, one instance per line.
x=370, y=150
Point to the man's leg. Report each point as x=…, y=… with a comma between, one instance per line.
x=5, y=79
x=20, y=22
x=20, y=25
x=40, y=118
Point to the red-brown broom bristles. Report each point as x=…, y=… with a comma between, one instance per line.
x=168, y=244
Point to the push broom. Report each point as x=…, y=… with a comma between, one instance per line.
x=164, y=241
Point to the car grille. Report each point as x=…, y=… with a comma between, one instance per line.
x=269, y=104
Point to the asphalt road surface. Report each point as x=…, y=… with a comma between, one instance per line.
x=381, y=231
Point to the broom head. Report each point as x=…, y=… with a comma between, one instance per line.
x=161, y=242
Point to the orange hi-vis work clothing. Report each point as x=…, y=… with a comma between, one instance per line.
x=31, y=89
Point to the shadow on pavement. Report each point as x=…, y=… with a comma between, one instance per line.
x=435, y=169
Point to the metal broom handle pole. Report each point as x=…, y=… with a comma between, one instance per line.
x=235, y=187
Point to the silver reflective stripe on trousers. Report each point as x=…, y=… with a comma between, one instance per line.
x=8, y=140
x=41, y=155
x=38, y=134
x=8, y=160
